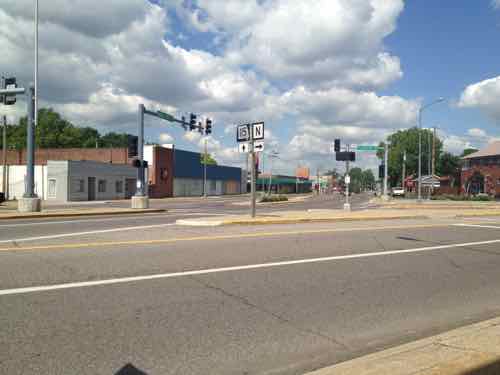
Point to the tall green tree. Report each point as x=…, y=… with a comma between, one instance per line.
x=208, y=159
x=469, y=151
x=408, y=140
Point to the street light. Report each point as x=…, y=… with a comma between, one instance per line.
x=272, y=154
x=420, y=110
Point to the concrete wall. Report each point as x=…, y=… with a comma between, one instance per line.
x=15, y=181
x=106, y=178
x=57, y=180
x=188, y=187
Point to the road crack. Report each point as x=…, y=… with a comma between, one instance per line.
x=279, y=317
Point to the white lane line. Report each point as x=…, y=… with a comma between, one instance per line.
x=477, y=226
x=79, y=221
x=52, y=236
x=122, y=280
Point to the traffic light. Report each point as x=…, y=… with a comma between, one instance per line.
x=184, y=124
x=9, y=83
x=192, y=121
x=381, y=171
x=208, y=126
x=132, y=145
x=200, y=128
x=336, y=146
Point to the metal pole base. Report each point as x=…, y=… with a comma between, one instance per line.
x=347, y=207
x=33, y=204
x=140, y=202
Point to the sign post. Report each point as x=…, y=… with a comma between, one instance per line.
x=249, y=138
x=347, y=180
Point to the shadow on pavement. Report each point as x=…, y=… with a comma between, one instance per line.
x=130, y=369
x=490, y=369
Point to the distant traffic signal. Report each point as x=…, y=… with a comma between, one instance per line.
x=132, y=145
x=192, y=121
x=208, y=126
x=336, y=146
x=381, y=171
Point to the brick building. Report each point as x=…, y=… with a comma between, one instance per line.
x=481, y=171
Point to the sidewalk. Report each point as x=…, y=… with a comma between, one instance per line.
x=8, y=211
x=470, y=350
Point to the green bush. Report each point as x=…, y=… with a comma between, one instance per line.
x=451, y=197
x=273, y=198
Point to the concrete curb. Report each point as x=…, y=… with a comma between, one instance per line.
x=268, y=221
x=473, y=349
x=42, y=215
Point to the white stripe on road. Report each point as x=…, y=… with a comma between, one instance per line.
x=122, y=280
x=121, y=218
x=477, y=226
x=62, y=235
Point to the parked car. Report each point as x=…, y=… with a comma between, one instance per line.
x=398, y=192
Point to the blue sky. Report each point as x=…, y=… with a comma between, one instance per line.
x=313, y=71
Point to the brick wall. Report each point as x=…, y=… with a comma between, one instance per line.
x=106, y=155
x=161, y=174
x=491, y=176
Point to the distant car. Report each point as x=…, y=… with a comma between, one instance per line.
x=398, y=192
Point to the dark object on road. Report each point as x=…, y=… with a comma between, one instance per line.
x=2, y=197
x=130, y=369
x=273, y=198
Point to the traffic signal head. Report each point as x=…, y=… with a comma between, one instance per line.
x=192, y=121
x=381, y=170
x=184, y=124
x=9, y=83
x=208, y=126
x=200, y=128
x=336, y=146
x=345, y=156
x=132, y=145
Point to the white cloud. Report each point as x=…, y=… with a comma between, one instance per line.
x=317, y=43
x=347, y=107
x=485, y=96
x=476, y=133
x=166, y=138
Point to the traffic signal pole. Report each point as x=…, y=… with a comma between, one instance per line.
x=386, y=170
x=140, y=200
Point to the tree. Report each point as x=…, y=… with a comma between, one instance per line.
x=368, y=179
x=208, y=159
x=448, y=164
x=468, y=151
x=407, y=140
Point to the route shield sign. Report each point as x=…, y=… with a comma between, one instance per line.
x=243, y=133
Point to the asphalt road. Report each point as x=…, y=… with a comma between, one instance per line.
x=239, y=300
x=176, y=209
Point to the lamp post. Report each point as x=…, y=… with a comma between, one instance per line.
x=420, y=110
x=36, y=66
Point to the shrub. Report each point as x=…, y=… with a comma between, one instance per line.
x=273, y=198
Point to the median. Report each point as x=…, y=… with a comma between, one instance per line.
x=295, y=217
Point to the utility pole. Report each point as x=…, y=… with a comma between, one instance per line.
x=36, y=66
x=386, y=169
x=205, y=171
x=404, y=171
x=429, y=156
x=434, y=152
x=4, y=157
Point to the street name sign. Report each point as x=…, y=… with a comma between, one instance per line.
x=369, y=148
x=258, y=146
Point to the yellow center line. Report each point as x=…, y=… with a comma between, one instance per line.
x=214, y=238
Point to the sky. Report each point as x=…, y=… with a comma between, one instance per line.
x=313, y=71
